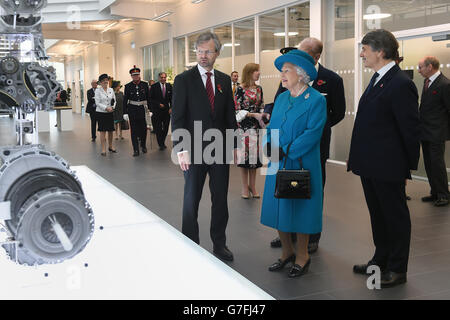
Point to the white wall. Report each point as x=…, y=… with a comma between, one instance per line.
x=189, y=18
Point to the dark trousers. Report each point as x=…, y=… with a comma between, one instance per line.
x=161, y=123
x=391, y=223
x=138, y=126
x=93, y=125
x=218, y=185
x=433, y=157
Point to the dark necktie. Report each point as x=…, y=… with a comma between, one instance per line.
x=209, y=90
x=372, y=82
x=427, y=84
x=164, y=90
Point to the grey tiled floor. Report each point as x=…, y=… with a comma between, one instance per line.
x=155, y=182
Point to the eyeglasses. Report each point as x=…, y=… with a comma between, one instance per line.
x=207, y=52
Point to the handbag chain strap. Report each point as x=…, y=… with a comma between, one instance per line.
x=286, y=156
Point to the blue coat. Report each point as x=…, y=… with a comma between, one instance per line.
x=300, y=120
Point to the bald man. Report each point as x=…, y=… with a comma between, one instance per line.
x=329, y=84
x=434, y=112
x=90, y=108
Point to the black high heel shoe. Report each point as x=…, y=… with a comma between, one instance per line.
x=112, y=150
x=280, y=264
x=297, y=270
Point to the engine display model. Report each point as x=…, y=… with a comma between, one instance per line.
x=46, y=216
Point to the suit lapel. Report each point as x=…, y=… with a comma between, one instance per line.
x=380, y=85
x=435, y=83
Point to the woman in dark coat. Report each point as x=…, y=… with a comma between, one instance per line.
x=118, y=111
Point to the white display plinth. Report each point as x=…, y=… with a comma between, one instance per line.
x=64, y=119
x=43, y=121
x=137, y=255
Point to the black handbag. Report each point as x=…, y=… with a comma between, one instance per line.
x=124, y=125
x=293, y=184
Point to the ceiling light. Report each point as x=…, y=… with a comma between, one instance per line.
x=230, y=44
x=282, y=34
x=376, y=16
x=197, y=1
x=165, y=14
x=109, y=26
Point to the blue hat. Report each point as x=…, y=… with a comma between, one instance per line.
x=300, y=59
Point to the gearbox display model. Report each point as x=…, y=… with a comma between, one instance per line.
x=46, y=216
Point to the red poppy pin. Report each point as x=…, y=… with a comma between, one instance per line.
x=381, y=85
x=434, y=92
x=219, y=87
x=320, y=82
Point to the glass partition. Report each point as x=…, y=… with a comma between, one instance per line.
x=404, y=15
x=224, y=60
x=339, y=56
x=298, y=17
x=272, y=39
x=180, y=60
x=413, y=50
x=244, y=40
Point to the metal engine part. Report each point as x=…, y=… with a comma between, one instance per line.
x=49, y=214
x=37, y=84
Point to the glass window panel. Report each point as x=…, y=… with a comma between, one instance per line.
x=244, y=39
x=180, y=55
x=271, y=27
x=413, y=50
x=403, y=15
x=298, y=23
x=272, y=35
x=223, y=61
x=339, y=56
x=166, y=56
x=147, y=74
x=157, y=57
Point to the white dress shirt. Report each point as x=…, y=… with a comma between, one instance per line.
x=433, y=77
x=383, y=71
x=103, y=99
x=203, y=72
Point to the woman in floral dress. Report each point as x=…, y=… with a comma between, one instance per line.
x=250, y=117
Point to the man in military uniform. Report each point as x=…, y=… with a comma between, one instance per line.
x=135, y=100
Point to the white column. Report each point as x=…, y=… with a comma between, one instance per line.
x=233, y=49
x=315, y=19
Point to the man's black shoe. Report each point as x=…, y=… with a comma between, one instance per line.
x=224, y=253
x=275, y=243
x=429, y=199
x=391, y=279
x=144, y=150
x=362, y=268
x=136, y=153
x=441, y=202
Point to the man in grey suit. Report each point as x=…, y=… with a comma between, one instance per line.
x=435, y=128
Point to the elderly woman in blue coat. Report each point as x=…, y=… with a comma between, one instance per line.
x=298, y=118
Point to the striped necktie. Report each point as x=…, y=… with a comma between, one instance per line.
x=209, y=90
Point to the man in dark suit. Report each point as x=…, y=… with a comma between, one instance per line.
x=384, y=149
x=161, y=104
x=329, y=84
x=234, y=81
x=435, y=128
x=91, y=107
x=202, y=97
x=135, y=99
